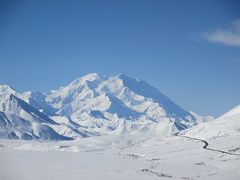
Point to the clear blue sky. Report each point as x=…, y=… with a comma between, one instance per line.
x=187, y=49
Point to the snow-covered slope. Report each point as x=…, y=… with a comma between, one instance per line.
x=18, y=107
x=226, y=125
x=14, y=127
x=19, y=120
x=37, y=100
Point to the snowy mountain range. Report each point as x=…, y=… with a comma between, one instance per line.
x=90, y=106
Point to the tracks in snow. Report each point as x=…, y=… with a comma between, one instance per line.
x=205, y=144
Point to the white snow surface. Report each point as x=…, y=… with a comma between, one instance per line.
x=135, y=157
x=226, y=125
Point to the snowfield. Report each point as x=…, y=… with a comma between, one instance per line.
x=120, y=157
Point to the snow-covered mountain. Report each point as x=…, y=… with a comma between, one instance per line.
x=115, y=105
x=19, y=120
x=97, y=105
x=226, y=125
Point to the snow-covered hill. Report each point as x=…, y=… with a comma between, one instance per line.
x=99, y=105
x=226, y=125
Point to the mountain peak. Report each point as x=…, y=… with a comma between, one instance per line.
x=6, y=89
x=232, y=112
x=32, y=94
x=88, y=77
x=126, y=77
